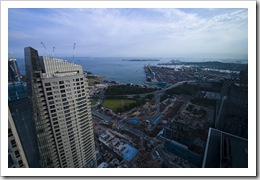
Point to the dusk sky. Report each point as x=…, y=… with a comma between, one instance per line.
x=129, y=32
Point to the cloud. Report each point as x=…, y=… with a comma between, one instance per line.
x=130, y=32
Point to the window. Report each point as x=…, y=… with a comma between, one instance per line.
x=20, y=163
x=13, y=142
x=55, y=119
x=50, y=98
x=10, y=132
x=62, y=91
x=62, y=87
x=47, y=84
x=54, y=115
x=48, y=89
x=67, y=111
x=49, y=93
x=63, y=95
x=17, y=155
x=61, y=82
x=16, y=152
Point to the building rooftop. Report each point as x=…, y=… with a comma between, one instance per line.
x=120, y=147
x=103, y=165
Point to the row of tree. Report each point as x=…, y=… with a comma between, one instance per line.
x=128, y=89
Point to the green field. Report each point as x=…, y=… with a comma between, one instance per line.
x=117, y=103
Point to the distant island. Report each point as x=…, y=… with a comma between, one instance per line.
x=140, y=60
x=172, y=62
x=210, y=64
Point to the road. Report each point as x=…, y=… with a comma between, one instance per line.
x=122, y=125
x=136, y=132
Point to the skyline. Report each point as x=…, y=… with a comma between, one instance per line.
x=130, y=32
x=69, y=46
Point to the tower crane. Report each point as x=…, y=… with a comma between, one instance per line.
x=73, y=51
x=44, y=48
x=53, y=51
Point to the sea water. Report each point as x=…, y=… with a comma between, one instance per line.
x=117, y=70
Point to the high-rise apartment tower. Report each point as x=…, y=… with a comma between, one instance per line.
x=59, y=96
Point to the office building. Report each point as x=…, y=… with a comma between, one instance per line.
x=224, y=150
x=18, y=103
x=16, y=156
x=17, y=90
x=59, y=96
x=13, y=70
x=232, y=111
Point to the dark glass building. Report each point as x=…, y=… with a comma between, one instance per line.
x=224, y=150
x=13, y=71
x=22, y=116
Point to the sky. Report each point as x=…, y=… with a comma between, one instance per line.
x=134, y=32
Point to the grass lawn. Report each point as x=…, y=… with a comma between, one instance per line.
x=117, y=103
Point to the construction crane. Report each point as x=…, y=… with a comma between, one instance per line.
x=44, y=48
x=73, y=51
x=53, y=51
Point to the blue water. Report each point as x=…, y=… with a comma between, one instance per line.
x=155, y=121
x=115, y=69
x=129, y=152
x=133, y=121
